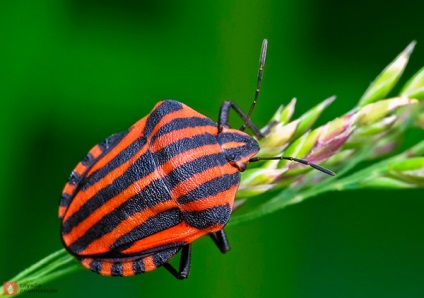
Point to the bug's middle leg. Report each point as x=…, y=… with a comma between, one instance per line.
x=220, y=240
x=184, y=267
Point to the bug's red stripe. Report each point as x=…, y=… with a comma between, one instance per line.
x=211, y=201
x=231, y=145
x=62, y=210
x=96, y=151
x=180, y=123
x=127, y=268
x=149, y=265
x=184, y=133
x=86, y=262
x=106, y=268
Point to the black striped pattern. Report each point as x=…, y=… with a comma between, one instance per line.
x=148, y=184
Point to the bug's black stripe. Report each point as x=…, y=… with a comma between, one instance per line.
x=227, y=137
x=65, y=200
x=211, y=188
x=181, y=123
x=74, y=178
x=146, y=164
x=159, y=112
x=153, y=225
x=96, y=265
x=117, y=269
x=191, y=168
x=203, y=219
x=163, y=257
x=180, y=146
x=118, y=160
x=110, y=142
x=247, y=150
x=148, y=197
x=138, y=266
x=88, y=160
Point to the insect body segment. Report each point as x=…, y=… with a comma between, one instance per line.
x=142, y=195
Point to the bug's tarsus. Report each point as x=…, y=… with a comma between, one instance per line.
x=258, y=84
x=184, y=267
x=302, y=161
x=221, y=241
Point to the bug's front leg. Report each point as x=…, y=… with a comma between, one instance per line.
x=224, y=116
x=221, y=241
x=184, y=267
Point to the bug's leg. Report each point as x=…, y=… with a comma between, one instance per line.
x=224, y=116
x=184, y=267
x=221, y=241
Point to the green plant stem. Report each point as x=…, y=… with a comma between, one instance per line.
x=43, y=271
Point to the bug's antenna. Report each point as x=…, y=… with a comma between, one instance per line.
x=302, y=161
x=258, y=85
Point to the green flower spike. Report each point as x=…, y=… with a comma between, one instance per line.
x=388, y=78
x=415, y=86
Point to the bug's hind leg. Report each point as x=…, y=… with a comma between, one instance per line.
x=220, y=240
x=184, y=267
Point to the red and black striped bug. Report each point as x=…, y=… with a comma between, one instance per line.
x=142, y=195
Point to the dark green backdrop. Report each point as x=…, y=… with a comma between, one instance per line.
x=74, y=72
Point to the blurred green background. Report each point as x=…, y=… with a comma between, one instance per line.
x=74, y=72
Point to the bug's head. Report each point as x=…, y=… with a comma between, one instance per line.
x=237, y=146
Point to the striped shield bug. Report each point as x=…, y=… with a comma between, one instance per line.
x=141, y=196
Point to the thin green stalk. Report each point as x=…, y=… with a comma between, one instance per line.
x=44, y=270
